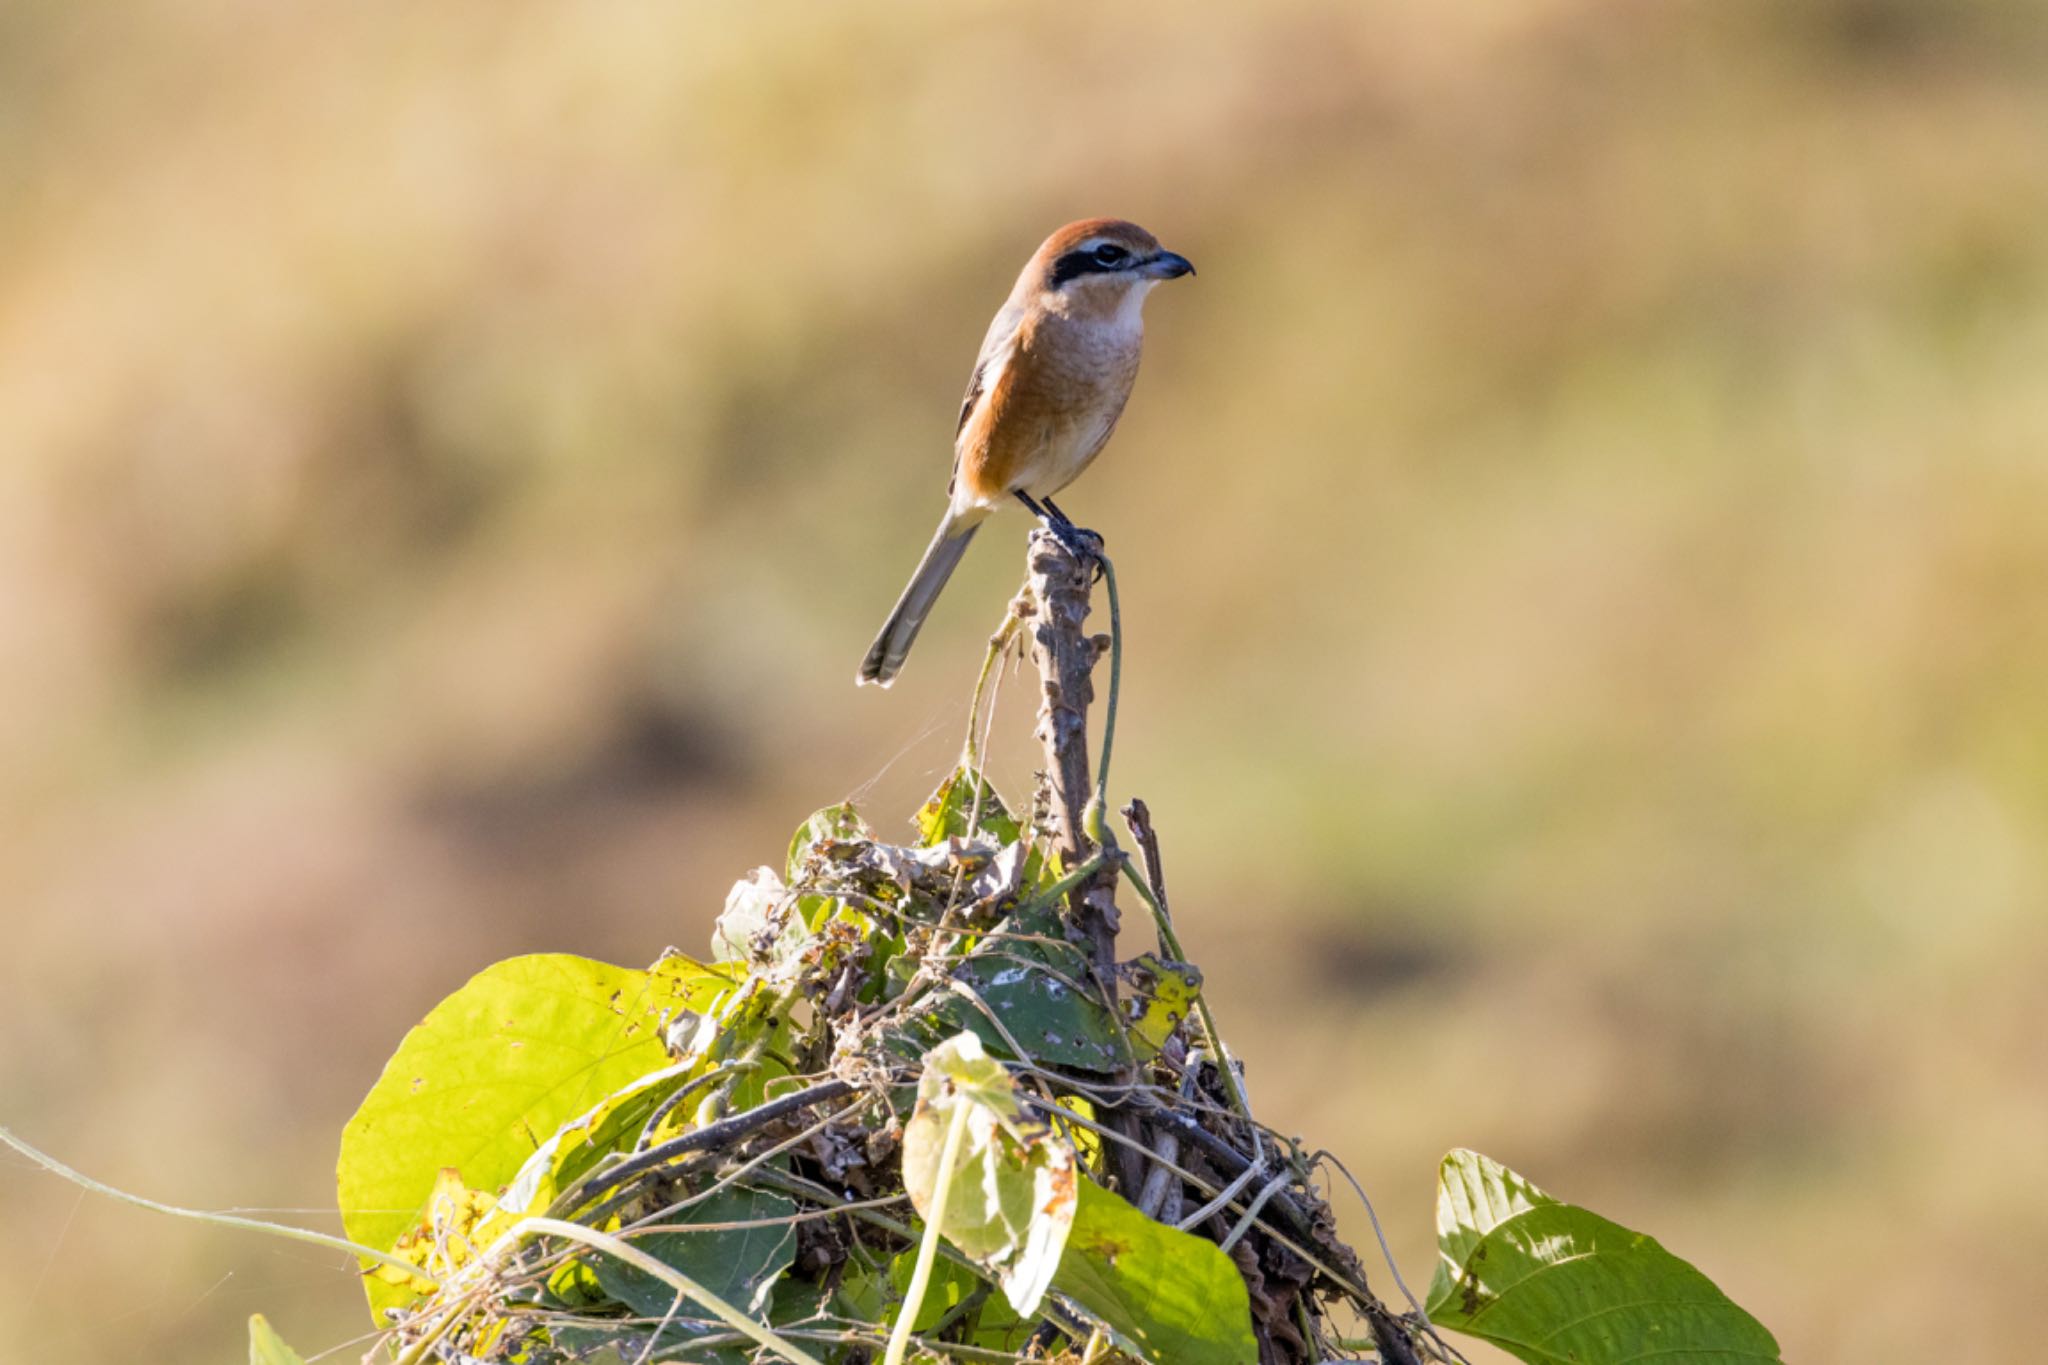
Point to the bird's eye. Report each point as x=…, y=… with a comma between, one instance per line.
x=1110, y=254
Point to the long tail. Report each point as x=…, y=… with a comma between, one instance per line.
x=886, y=655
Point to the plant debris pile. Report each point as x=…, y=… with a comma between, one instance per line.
x=777, y=1142
x=913, y=1103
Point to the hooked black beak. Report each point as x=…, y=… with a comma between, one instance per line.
x=1169, y=265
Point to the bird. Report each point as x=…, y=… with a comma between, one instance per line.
x=1048, y=386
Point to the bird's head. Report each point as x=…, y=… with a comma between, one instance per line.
x=1100, y=266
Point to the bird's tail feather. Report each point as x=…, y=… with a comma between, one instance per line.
x=892, y=646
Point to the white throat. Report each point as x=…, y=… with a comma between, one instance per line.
x=1122, y=320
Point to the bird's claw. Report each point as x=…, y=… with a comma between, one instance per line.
x=1080, y=542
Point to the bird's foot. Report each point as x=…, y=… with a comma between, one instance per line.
x=1083, y=544
x=1080, y=542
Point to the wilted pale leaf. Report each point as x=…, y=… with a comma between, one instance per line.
x=758, y=924
x=1011, y=1197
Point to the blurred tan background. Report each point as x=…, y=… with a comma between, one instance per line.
x=1584, y=538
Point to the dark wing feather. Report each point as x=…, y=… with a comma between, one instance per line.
x=974, y=387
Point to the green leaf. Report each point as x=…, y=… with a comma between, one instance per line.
x=486, y=1078
x=951, y=1283
x=266, y=1347
x=860, y=1293
x=1557, y=1285
x=994, y=1324
x=740, y=1265
x=1027, y=976
x=593, y=1341
x=949, y=812
x=1169, y=1296
x=1011, y=1195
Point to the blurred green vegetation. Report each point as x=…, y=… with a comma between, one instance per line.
x=1584, y=538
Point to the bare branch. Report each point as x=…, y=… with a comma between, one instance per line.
x=1058, y=583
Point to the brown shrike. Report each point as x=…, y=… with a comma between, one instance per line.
x=1048, y=386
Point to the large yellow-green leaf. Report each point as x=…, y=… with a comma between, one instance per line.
x=613, y=1124
x=487, y=1078
x=1557, y=1285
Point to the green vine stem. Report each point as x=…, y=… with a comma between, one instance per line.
x=1095, y=818
x=928, y=1247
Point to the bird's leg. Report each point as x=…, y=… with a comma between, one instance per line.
x=1059, y=515
x=1078, y=538
x=1080, y=542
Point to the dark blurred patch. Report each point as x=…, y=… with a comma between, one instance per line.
x=783, y=405
x=1725, y=1070
x=650, y=750
x=382, y=495
x=1368, y=955
x=29, y=76
x=395, y=476
x=222, y=628
x=1976, y=278
x=1890, y=33
x=1883, y=28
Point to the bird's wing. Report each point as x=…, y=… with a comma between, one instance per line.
x=996, y=349
x=988, y=365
